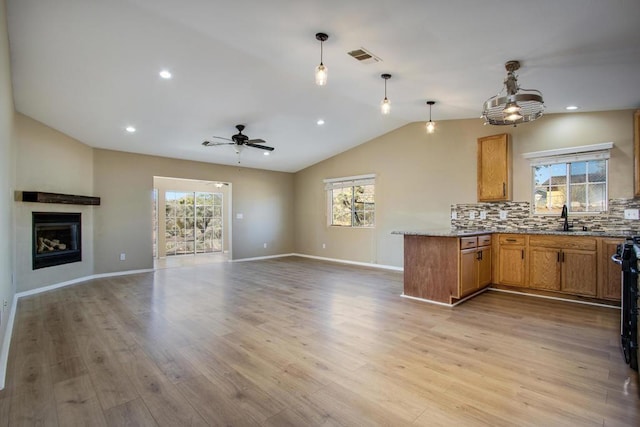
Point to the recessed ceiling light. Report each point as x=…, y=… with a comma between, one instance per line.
x=320, y=122
x=266, y=153
x=130, y=129
x=571, y=107
x=165, y=74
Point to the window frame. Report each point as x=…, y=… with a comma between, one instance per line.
x=351, y=182
x=598, y=152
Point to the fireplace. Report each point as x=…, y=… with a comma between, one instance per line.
x=56, y=238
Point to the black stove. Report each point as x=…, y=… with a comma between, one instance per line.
x=628, y=256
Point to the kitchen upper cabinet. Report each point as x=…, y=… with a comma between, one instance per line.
x=494, y=168
x=564, y=264
x=636, y=152
x=511, y=260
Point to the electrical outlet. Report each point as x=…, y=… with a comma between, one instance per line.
x=123, y=256
x=454, y=215
x=483, y=214
x=472, y=215
x=239, y=215
x=503, y=214
x=631, y=214
x=265, y=246
x=324, y=246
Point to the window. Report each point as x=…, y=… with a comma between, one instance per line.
x=351, y=201
x=578, y=180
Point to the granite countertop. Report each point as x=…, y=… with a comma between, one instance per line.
x=465, y=233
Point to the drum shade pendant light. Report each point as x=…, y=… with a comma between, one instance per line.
x=513, y=105
x=385, y=105
x=321, y=70
x=431, y=126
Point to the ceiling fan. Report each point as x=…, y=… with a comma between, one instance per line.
x=239, y=141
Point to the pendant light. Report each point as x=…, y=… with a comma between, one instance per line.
x=321, y=70
x=385, y=105
x=513, y=105
x=431, y=126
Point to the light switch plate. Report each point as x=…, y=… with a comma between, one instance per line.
x=483, y=214
x=503, y=214
x=631, y=214
x=472, y=215
x=454, y=215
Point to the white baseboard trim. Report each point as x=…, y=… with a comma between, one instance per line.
x=6, y=342
x=444, y=304
x=258, y=258
x=506, y=291
x=343, y=261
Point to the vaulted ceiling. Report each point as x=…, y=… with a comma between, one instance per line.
x=89, y=68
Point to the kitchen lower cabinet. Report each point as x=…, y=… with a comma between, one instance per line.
x=564, y=264
x=511, y=260
x=610, y=278
x=446, y=269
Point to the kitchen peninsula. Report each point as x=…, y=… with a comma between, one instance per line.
x=448, y=266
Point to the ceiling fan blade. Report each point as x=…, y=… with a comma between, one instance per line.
x=255, y=141
x=262, y=147
x=221, y=137
x=216, y=143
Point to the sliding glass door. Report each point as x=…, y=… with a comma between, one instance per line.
x=193, y=222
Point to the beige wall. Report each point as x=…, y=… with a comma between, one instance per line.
x=123, y=224
x=420, y=176
x=163, y=184
x=47, y=160
x=7, y=153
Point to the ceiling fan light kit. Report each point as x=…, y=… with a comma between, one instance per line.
x=385, y=105
x=321, y=70
x=513, y=105
x=431, y=126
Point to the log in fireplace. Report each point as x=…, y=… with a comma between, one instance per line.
x=56, y=238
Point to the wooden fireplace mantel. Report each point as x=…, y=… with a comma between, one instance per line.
x=68, y=199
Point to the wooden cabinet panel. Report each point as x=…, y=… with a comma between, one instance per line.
x=611, y=272
x=636, y=152
x=511, y=270
x=494, y=168
x=468, y=272
x=544, y=268
x=484, y=267
x=579, y=272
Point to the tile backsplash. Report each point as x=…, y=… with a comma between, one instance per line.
x=518, y=217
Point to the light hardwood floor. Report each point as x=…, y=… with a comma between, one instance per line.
x=301, y=342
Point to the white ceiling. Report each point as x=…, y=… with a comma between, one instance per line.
x=89, y=68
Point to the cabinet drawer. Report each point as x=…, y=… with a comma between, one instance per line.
x=468, y=242
x=484, y=240
x=511, y=239
x=564, y=242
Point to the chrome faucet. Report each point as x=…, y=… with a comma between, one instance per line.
x=565, y=215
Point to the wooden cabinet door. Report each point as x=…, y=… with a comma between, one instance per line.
x=611, y=272
x=484, y=267
x=468, y=271
x=579, y=271
x=494, y=168
x=511, y=265
x=545, y=268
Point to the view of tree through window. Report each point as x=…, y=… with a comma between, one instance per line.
x=353, y=206
x=193, y=222
x=582, y=186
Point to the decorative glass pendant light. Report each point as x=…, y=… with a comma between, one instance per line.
x=321, y=70
x=431, y=126
x=385, y=105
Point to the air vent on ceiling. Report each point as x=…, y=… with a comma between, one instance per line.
x=364, y=56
